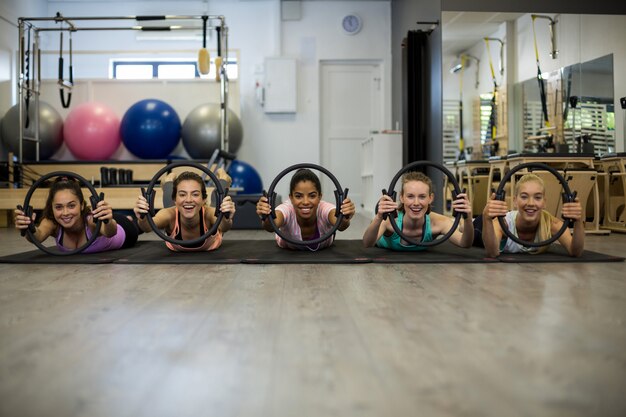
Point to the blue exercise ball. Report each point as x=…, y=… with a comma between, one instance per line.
x=150, y=129
x=244, y=176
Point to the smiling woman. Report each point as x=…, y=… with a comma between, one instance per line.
x=192, y=224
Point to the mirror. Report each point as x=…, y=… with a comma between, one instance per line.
x=585, y=120
x=579, y=57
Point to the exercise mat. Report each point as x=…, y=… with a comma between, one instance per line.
x=267, y=252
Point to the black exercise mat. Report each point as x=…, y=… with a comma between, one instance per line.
x=40, y=257
x=267, y=252
x=156, y=252
x=441, y=254
x=557, y=253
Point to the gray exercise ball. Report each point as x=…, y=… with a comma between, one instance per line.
x=202, y=135
x=50, y=131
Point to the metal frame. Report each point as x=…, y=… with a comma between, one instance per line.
x=27, y=24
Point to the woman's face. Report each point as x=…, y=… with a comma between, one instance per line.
x=66, y=209
x=305, y=198
x=530, y=200
x=189, y=198
x=416, y=198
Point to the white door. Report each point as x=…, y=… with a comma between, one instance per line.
x=351, y=106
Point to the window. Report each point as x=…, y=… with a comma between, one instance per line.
x=166, y=69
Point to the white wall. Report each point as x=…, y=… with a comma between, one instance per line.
x=271, y=142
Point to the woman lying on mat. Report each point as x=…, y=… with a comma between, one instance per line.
x=530, y=222
x=305, y=216
x=190, y=217
x=67, y=216
x=415, y=218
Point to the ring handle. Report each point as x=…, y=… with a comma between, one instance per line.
x=94, y=199
x=456, y=191
x=339, y=198
x=568, y=197
x=149, y=195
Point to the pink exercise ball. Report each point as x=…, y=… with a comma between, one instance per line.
x=92, y=131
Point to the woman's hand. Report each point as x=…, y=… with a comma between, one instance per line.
x=495, y=208
x=462, y=205
x=103, y=211
x=141, y=207
x=228, y=206
x=572, y=210
x=21, y=220
x=263, y=207
x=347, y=208
x=385, y=205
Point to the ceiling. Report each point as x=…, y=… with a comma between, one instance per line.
x=462, y=30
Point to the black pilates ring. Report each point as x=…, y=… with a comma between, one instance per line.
x=339, y=197
x=28, y=211
x=456, y=191
x=149, y=195
x=568, y=197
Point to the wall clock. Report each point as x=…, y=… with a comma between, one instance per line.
x=351, y=24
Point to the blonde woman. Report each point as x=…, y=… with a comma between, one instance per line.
x=529, y=221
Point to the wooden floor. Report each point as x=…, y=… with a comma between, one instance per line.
x=313, y=340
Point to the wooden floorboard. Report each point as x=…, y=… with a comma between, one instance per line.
x=313, y=340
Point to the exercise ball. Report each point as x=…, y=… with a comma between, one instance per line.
x=202, y=134
x=92, y=131
x=50, y=131
x=245, y=177
x=150, y=129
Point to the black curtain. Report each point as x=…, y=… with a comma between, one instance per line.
x=415, y=96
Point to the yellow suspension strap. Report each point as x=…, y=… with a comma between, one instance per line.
x=461, y=140
x=540, y=80
x=494, y=98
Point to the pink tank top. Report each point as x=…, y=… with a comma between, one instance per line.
x=211, y=243
x=291, y=227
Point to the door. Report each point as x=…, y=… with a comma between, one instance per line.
x=351, y=106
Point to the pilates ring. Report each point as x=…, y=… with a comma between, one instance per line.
x=28, y=212
x=149, y=196
x=456, y=191
x=568, y=197
x=339, y=197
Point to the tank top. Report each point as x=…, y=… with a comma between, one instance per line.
x=210, y=243
x=101, y=244
x=291, y=228
x=394, y=242
x=508, y=245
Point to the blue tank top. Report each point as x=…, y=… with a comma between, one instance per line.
x=393, y=242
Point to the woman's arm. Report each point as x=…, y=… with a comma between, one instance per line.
x=163, y=219
x=103, y=212
x=347, y=209
x=465, y=238
x=574, y=243
x=378, y=226
x=45, y=228
x=492, y=233
x=263, y=209
x=227, y=206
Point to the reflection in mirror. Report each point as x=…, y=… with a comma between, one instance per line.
x=580, y=107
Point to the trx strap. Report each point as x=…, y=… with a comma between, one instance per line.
x=540, y=81
x=62, y=83
x=492, y=128
x=27, y=74
x=462, y=155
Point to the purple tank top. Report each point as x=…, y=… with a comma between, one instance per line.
x=101, y=244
